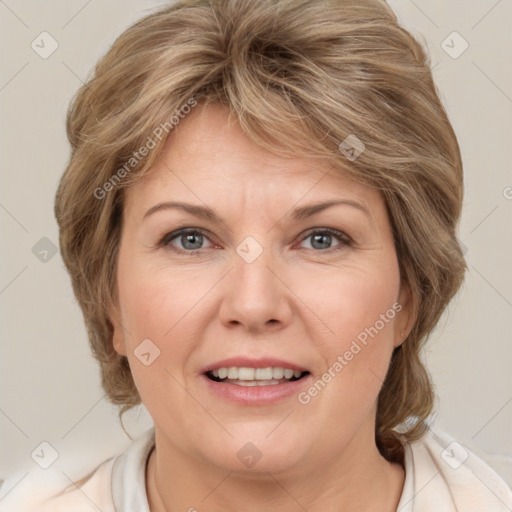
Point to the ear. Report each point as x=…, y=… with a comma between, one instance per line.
x=118, y=340
x=407, y=314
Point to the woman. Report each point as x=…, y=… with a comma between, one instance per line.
x=259, y=219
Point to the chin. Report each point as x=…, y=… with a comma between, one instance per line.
x=258, y=453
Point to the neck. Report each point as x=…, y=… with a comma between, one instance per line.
x=353, y=481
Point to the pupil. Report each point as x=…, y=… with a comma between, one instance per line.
x=324, y=239
x=190, y=237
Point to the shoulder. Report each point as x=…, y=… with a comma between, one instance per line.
x=91, y=493
x=113, y=484
x=441, y=472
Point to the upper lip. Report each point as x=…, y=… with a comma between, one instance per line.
x=249, y=362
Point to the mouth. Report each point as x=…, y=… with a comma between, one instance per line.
x=250, y=376
x=248, y=381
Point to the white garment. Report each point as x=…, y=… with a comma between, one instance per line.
x=440, y=476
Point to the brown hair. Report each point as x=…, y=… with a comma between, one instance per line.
x=300, y=76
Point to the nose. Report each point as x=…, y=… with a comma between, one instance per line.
x=255, y=296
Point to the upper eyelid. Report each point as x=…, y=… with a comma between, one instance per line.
x=171, y=235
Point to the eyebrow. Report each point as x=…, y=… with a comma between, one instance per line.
x=206, y=213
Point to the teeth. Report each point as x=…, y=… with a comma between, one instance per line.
x=246, y=373
x=278, y=373
x=256, y=376
x=256, y=382
x=262, y=373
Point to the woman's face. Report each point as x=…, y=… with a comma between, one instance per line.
x=285, y=265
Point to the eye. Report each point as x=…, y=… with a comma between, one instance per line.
x=192, y=240
x=322, y=239
x=187, y=240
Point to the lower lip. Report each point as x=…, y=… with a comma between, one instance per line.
x=256, y=395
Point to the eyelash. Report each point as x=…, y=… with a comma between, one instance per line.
x=343, y=239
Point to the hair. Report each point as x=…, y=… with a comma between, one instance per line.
x=299, y=76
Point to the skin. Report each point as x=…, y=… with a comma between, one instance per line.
x=296, y=302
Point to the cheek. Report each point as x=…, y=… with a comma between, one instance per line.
x=355, y=297
x=156, y=307
x=166, y=306
x=359, y=306
x=157, y=303
x=361, y=311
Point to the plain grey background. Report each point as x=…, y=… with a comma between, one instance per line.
x=50, y=383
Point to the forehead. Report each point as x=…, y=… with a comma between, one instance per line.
x=207, y=157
